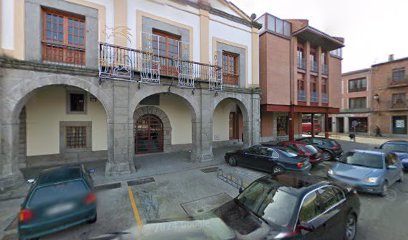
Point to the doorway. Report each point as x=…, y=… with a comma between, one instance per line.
x=148, y=134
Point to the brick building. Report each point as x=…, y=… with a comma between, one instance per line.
x=375, y=97
x=300, y=73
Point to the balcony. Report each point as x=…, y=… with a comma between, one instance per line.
x=301, y=96
x=393, y=83
x=314, y=97
x=126, y=64
x=325, y=69
x=313, y=66
x=301, y=63
x=398, y=105
x=325, y=98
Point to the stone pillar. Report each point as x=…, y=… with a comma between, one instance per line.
x=346, y=125
x=202, y=129
x=9, y=154
x=120, y=130
x=255, y=116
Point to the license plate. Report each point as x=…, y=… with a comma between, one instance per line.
x=60, y=208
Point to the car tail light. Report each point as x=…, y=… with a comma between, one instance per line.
x=25, y=215
x=90, y=198
x=299, y=164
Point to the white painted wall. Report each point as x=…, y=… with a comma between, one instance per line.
x=109, y=6
x=239, y=34
x=179, y=115
x=46, y=109
x=7, y=24
x=221, y=120
x=175, y=12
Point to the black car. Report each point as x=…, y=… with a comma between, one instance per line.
x=292, y=206
x=272, y=159
x=330, y=147
x=60, y=197
x=400, y=147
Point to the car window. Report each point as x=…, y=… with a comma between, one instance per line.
x=309, y=208
x=317, y=141
x=52, y=193
x=293, y=147
x=311, y=149
x=274, y=154
x=254, y=149
x=395, y=147
x=264, y=152
x=328, y=197
x=288, y=152
x=364, y=159
x=270, y=201
x=391, y=159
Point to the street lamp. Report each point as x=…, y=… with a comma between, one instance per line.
x=376, y=97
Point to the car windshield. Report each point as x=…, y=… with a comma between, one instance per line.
x=395, y=147
x=308, y=148
x=269, y=201
x=287, y=152
x=365, y=159
x=55, y=192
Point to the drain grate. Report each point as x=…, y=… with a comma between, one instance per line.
x=210, y=169
x=141, y=181
x=107, y=186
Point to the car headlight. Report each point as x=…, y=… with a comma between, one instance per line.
x=372, y=179
x=330, y=172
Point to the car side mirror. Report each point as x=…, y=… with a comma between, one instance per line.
x=91, y=171
x=240, y=190
x=391, y=167
x=306, y=226
x=31, y=181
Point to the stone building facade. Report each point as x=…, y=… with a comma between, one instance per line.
x=90, y=80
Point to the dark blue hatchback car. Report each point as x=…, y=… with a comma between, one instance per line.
x=59, y=198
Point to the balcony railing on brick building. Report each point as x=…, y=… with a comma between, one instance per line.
x=301, y=63
x=301, y=96
x=128, y=64
x=313, y=66
x=314, y=97
x=325, y=98
x=392, y=83
x=398, y=105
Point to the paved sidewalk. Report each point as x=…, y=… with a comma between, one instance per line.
x=365, y=139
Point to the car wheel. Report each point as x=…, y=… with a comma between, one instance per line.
x=384, y=189
x=401, y=179
x=327, y=156
x=351, y=227
x=277, y=169
x=232, y=161
x=93, y=219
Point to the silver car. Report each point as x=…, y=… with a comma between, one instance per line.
x=371, y=171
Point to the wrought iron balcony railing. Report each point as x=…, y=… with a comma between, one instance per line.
x=301, y=96
x=398, y=104
x=128, y=64
x=398, y=83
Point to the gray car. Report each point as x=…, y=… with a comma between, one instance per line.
x=371, y=171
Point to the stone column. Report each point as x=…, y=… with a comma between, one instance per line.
x=9, y=154
x=346, y=125
x=255, y=116
x=202, y=129
x=120, y=157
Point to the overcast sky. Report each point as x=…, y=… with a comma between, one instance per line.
x=372, y=29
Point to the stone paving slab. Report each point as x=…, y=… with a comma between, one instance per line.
x=205, y=204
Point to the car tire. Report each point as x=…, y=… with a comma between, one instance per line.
x=351, y=227
x=327, y=156
x=384, y=189
x=277, y=169
x=232, y=161
x=93, y=219
x=401, y=179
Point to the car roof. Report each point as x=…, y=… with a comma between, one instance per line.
x=298, y=183
x=59, y=174
x=373, y=151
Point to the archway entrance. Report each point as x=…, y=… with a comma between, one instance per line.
x=148, y=134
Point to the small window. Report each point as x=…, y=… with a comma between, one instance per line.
x=398, y=98
x=76, y=102
x=398, y=74
x=230, y=68
x=76, y=137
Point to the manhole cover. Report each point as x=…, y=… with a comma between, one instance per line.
x=140, y=181
x=210, y=169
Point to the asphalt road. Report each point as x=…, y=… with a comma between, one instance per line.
x=177, y=194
